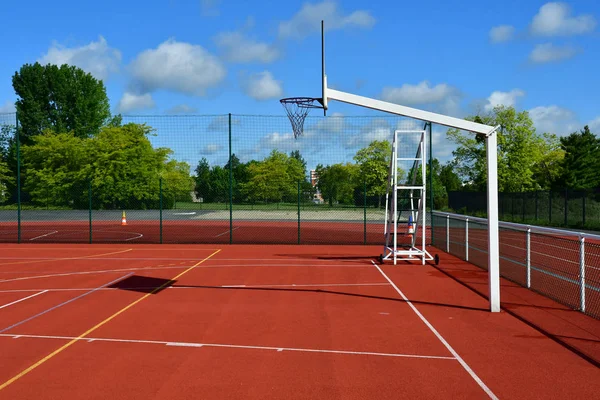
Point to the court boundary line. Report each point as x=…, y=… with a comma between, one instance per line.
x=64, y=303
x=231, y=346
x=462, y=362
x=24, y=298
x=227, y=231
x=92, y=329
x=108, y=271
x=187, y=287
x=44, y=235
x=52, y=259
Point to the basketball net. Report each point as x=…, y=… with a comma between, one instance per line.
x=297, y=109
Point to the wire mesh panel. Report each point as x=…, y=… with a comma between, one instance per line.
x=188, y=198
x=592, y=278
x=555, y=268
x=9, y=229
x=478, y=244
x=458, y=238
x=513, y=255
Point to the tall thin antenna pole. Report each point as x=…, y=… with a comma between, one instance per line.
x=323, y=67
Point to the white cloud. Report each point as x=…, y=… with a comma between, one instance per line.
x=209, y=8
x=547, y=52
x=96, y=58
x=595, y=125
x=181, y=109
x=262, y=86
x=421, y=93
x=555, y=19
x=210, y=149
x=508, y=99
x=554, y=119
x=8, y=107
x=308, y=20
x=177, y=66
x=444, y=97
x=221, y=123
x=131, y=101
x=502, y=33
x=241, y=49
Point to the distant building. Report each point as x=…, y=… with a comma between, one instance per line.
x=314, y=179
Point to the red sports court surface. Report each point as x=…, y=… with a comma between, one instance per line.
x=285, y=322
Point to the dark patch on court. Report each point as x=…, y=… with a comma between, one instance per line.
x=143, y=284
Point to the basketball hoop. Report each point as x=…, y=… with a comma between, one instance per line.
x=297, y=109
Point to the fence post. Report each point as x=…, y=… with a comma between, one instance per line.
x=160, y=206
x=523, y=206
x=550, y=207
x=230, y=187
x=536, y=206
x=90, y=207
x=18, y=140
x=583, y=209
x=467, y=239
x=298, y=212
x=528, y=257
x=447, y=234
x=365, y=212
x=566, y=206
x=582, y=273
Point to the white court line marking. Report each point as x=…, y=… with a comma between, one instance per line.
x=166, y=259
x=227, y=231
x=24, y=298
x=185, y=213
x=440, y=337
x=104, y=271
x=41, y=236
x=188, y=287
x=133, y=238
x=63, y=303
x=232, y=346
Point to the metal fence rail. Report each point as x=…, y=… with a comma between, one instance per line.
x=563, y=265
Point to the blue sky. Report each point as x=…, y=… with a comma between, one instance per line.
x=219, y=57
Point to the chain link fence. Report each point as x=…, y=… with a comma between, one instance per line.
x=198, y=179
x=562, y=265
x=565, y=208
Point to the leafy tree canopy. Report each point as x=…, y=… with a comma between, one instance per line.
x=63, y=99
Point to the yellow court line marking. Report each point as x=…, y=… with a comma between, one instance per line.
x=32, y=246
x=66, y=258
x=57, y=351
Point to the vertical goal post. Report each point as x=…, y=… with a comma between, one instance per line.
x=486, y=131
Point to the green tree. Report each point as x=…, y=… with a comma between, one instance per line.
x=337, y=182
x=374, y=162
x=274, y=179
x=63, y=99
x=448, y=178
x=520, y=150
x=548, y=170
x=203, y=180
x=7, y=177
x=177, y=182
x=581, y=163
x=219, y=184
x=120, y=163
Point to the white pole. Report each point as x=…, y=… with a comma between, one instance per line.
x=395, y=206
x=528, y=260
x=493, y=237
x=423, y=201
x=582, y=272
x=447, y=233
x=467, y=239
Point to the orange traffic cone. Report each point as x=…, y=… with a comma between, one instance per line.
x=123, y=219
